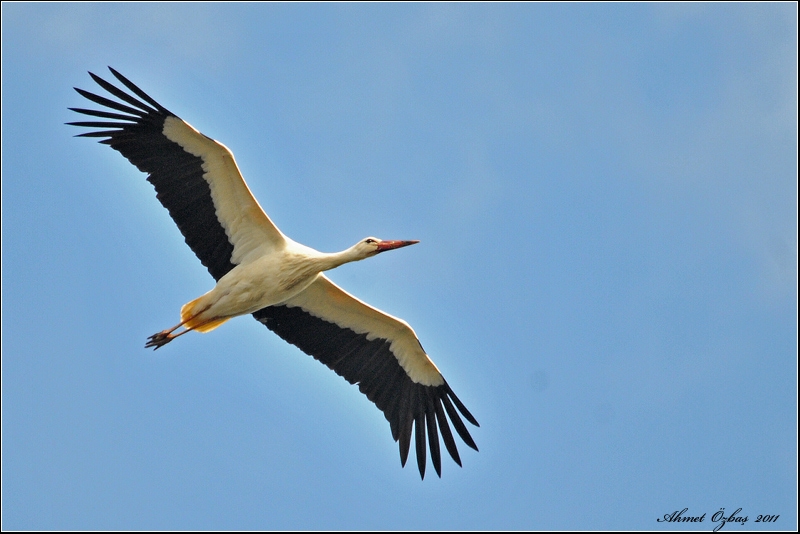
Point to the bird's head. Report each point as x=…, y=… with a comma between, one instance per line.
x=370, y=246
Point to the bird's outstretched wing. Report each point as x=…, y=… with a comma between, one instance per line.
x=383, y=356
x=196, y=178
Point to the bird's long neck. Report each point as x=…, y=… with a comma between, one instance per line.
x=303, y=263
x=327, y=261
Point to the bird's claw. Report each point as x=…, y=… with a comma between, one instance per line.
x=158, y=340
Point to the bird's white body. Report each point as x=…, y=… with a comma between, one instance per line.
x=266, y=280
x=261, y=271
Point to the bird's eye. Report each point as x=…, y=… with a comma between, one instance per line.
x=370, y=241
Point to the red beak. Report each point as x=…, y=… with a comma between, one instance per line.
x=383, y=246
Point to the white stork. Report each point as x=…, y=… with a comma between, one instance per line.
x=280, y=282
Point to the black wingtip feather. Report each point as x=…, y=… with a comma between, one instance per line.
x=447, y=435
x=433, y=434
x=460, y=406
x=99, y=124
x=104, y=114
x=419, y=426
x=106, y=133
x=405, y=439
x=459, y=425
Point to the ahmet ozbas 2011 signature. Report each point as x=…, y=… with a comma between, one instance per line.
x=719, y=518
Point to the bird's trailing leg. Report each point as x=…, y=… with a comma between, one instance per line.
x=191, y=319
x=165, y=336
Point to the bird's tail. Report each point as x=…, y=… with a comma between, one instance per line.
x=192, y=320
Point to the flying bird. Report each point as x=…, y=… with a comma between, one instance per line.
x=260, y=271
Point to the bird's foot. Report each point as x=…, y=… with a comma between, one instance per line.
x=159, y=340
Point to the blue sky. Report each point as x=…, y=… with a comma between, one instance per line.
x=606, y=200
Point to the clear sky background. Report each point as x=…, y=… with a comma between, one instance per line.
x=606, y=200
